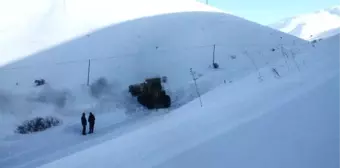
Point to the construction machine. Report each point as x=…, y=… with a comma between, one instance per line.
x=151, y=94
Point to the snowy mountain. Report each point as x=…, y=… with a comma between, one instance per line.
x=46, y=38
x=327, y=34
x=37, y=25
x=149, y=42
x=287, y=121
x=71, y=42
x=320, y=24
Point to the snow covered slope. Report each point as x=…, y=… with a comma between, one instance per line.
x=320, y=24
x=186, y=35
x=38, y=24
x=327, y=34
x=291, y=120
x=54, y=40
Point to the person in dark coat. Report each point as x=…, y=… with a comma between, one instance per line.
x=84, y=123
x=91, y=120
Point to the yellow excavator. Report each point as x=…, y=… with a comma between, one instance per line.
x=151, y=94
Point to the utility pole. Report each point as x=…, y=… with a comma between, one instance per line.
x=89, y=64
x=214, y=54
x=88, y=72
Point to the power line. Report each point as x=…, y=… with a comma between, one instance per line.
x=158, y=50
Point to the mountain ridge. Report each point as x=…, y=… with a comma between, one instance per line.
x=312, y=25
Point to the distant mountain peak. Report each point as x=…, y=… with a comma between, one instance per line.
x=333, y=7
x=318, y=24
x=335, y=10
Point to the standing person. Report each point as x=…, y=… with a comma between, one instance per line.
x=84, y=123
x=91, y=122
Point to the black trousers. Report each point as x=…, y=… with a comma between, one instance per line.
x=84, y=129
x=91, y=127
